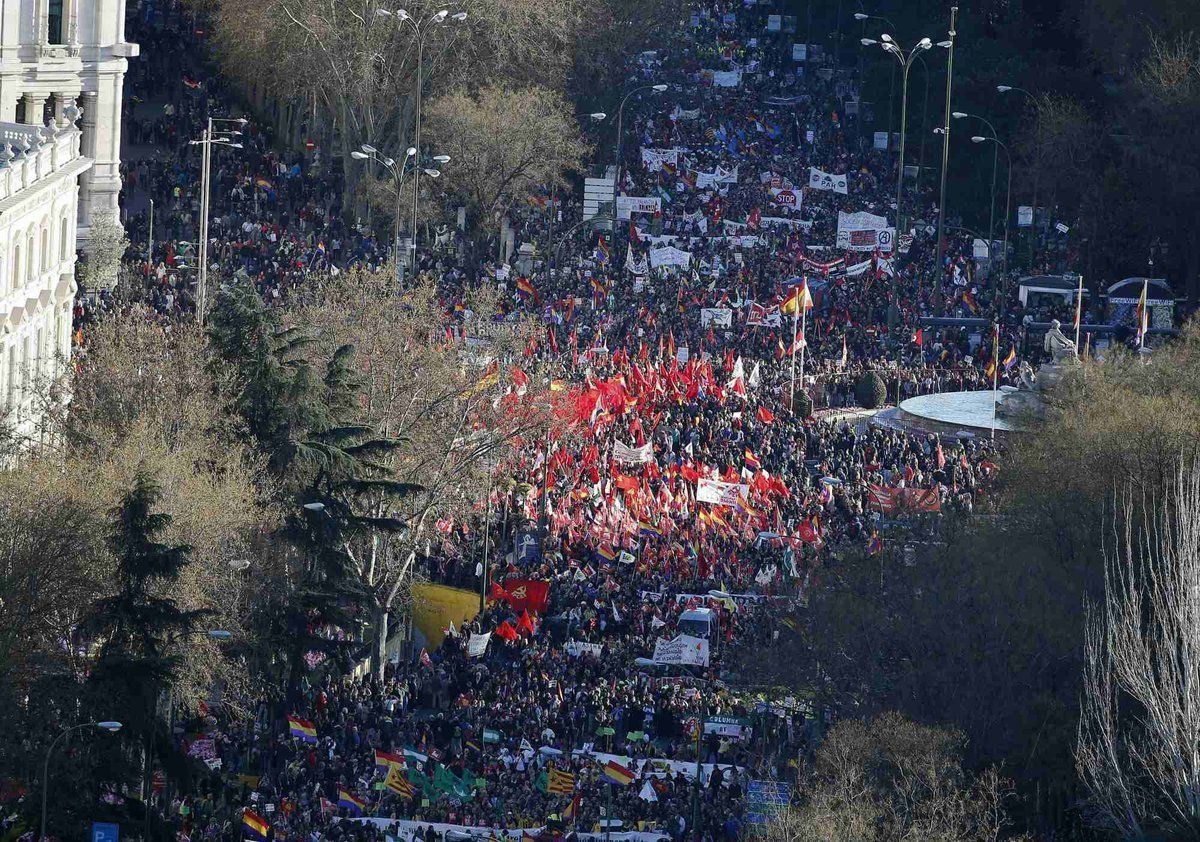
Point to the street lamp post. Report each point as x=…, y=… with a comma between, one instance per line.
x=1008, y=190
x=959, y=115
x=366, y=152
x=1037, y=164
x=420, y=30
x=658, y=89
x=941, y=245
x=208, y=138
x=864, y=17
x=906, y=60
x=108, y=725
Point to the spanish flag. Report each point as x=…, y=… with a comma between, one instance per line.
x=386, y=760
x=798, y=299
x=302, y=729
x=615, y=773
x=350, y=801
x=256, y=826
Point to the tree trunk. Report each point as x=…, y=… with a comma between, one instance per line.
x=381, y=629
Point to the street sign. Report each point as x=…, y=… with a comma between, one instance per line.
x=105, y=832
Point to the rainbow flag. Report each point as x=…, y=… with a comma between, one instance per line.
x=350, y=801
x=302, y=729
x=255, y=825
x=615, y=773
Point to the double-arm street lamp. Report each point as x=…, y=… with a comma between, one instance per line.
x=906, y=60
x=210, y=137
x=420, y=30
x=658, y=89
x=398, y=171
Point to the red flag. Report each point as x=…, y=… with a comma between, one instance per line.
x=497, y=592
x=765, y=415
x=505, y=631
x=528, y=594
x=919, y=338
x=525, y=624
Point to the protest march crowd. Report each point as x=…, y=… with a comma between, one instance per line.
x=671, y=533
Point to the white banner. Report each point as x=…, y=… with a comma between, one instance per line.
x=410, y=830
x=670, y=256
x=1024, y=216
x=864, y=232
x=821, y=180
x=637, y=455
x=653, y=159
x=705, y=180
x=720, y=493
x=727, y=78
x=760, y=316
x=857, y=269
x=575, y=648
x=799, y=52
x=684, y=650
x=627, y=205
x=478, y=644
x=803, y=224
x=717, y=316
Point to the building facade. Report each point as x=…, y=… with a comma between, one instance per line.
x=54, y=53
x=40, y=172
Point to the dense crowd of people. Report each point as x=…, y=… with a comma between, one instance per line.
x=687, y=488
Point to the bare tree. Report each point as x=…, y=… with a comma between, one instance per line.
x=888, y=779
x=503, y=144
x=454, y=421
x=1139, y=733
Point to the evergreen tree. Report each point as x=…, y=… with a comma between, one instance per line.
x=330, y=468
x=137, y=629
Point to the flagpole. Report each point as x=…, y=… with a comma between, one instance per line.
x=792, y=392
x=608, y=815
x=1078, y=311
x=995, y=372
x=804, y=347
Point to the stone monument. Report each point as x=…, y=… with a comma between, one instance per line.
x=1030, y=397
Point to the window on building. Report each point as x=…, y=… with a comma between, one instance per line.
x=16, y=268
x=62, y=240
x=31, y=268
x=45, y=248
x=56, y=24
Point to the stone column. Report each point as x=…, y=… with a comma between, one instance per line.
x=61, y=101
x=33, y=109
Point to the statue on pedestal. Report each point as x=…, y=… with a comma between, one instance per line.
x=1058, y=346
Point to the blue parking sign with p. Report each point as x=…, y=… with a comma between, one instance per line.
x=105, y=832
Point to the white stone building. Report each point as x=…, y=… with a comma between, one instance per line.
x=40, y=170
x=56, y=52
